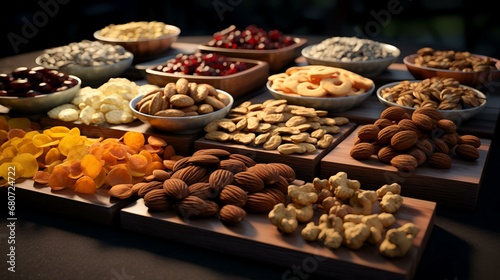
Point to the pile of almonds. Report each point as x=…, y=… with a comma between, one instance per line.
x=408, y=141
x=214, y=182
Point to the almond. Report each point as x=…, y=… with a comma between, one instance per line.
x=381, y=123
x=467, y=152
x=248, y=161
x=234, y=195
x=248, y=181
x=203, y=190
x=221, y=153
x=439, y=160
x=232, y=165
x=448, y=126
x=260, y=202
x=282, y=185
x=451, y=139
x=203, y=160
x=161, y=175
x=121, y=191
x=425, y=145
x=368, y=132
x=394, y=113
x=433, y=113
x=181, y=163
x=195, y=207
x=423, y=122
x=220, y=178
x=440, y=146
x=470, y=139
x=403, y=140
x=407, y=124
x=268, y=173
x=386, y=153
x=386, y=133
x=190, y=174
x=153, y=185
x=285, y=170
x=231, y=214
x=362, y=151
x=157, y=200
x=404, y=162
x=418, y=154
x=175, y=188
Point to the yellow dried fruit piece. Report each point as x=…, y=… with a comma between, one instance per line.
x=9, y=152
x=85, y=185
x=91, y=166
x=31, y=134
x=41, y=177
x=29, y=162
x=134, y=139
x=31, y=149
x=11, y=170
x=52, y=155
x=18, y=123
x=69, y=142
x=59, y=178
x=75, y=169
x=43, y=140
x=77, y=153
x=101, y=178
x=118, y=175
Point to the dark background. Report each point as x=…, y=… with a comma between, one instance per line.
x=446, y=24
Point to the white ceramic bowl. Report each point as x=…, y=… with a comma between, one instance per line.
x=181, y=125
x=368, y=68
x=456, y=116
x=332, y=104
x=40, y=103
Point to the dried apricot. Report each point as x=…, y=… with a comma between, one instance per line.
x=41, y=177
x=118, y=175
x=43, y=140
x=11, y=170
x=85, y=185
x=134, y=139
x=59, y=178
x=29, y=162
x=91, y=166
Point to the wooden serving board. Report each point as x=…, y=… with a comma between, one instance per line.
x=457, y=187
x=183, y=143
x=306, y=166
x=256, y=238
x=99, y=208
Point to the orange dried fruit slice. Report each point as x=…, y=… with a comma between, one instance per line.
x=137, y=162
x=29, y=162
x=156, y=141
x=15, y=132
x=77, y=153
x=85, y=185
x=74, y=131
x=134, y=139
x=9, y=152
x=118, y=175
x=52, y=155
x=118, y=151
x=146, y=154
x=41, y=177
x=43, y=140
x=50, y=167
x=31, y=149
x=31, y=134
x=11, y=170
x=101, y=178
x=153, y=166
x=75, y=170
x=59, y=178
x=19, y=123
x=91, y=166
x=68, y=143
x=156, y=157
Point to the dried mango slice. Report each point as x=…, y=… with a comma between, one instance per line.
x=69, y=142
x=74, y=131
x=134, y=139
x=57, y=132
x=156, y=141
x=91, y=166
x=11, y=170
x=41, y=177
x=43, y=140
x=59, y=178
x=118, y=175
x=9, y=152
x=77, y=153
x=19, y=123
x=31, y=149
x=29, y=162
x=52, y=155
x=31, y=134
x=85, y=185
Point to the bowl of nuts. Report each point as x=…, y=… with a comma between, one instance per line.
x=36, y=90
x=321, y=87
x=182, y=107
x=145, y=39
x=93, y=62
x=468, y=69
x=253, y=42
x=453, y=100
x=363, y=56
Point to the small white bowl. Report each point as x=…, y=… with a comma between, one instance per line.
x=456, y=116
x=332, y=104
x=181, y=125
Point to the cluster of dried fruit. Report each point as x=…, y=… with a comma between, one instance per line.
x=210, y=182
x=407, y=141
x=182, y=98
x=276, y=125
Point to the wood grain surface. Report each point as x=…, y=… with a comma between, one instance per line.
x=256, y=238
x=457, y=187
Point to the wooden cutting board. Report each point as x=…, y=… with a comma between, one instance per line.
x=306, y=166
x=256, y=238
x=457, y=187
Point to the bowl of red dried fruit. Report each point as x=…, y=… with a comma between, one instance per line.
x=272, y=46
x=237, y=76
x=36, y=90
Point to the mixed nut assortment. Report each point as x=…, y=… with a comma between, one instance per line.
x=454, y=60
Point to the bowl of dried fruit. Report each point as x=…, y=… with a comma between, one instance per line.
x=468, y=69
x=145, y=39
x=453, y=100
x=271, y=46
x=363, y=56
x=37, y=90
x=93, y=62
x=321, y=87
x=237, y=76
x=182, y=107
